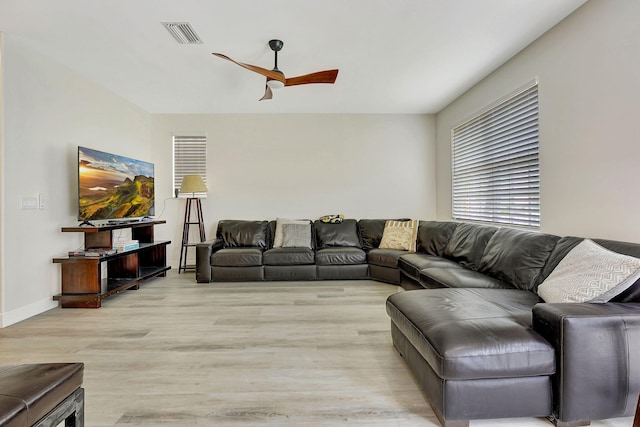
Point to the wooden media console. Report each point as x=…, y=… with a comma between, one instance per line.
x=85, y=282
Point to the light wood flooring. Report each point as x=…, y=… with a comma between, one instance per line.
x=178, y=353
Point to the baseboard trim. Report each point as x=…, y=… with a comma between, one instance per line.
x=27, y=311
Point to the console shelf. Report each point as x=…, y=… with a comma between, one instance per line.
x=86, y=281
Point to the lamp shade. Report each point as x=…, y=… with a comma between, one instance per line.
x=193, y=184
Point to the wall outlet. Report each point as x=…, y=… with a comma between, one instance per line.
x=42, y=201
x=29, y=203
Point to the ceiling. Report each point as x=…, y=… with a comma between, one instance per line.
x=394, y=56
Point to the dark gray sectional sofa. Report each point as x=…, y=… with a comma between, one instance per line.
x=471, y=326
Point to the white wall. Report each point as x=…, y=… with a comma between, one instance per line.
x=588, y=69
x=304, y=166
x=49, y=111
x=1, y=173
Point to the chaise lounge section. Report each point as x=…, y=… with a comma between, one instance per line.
x=483, y=343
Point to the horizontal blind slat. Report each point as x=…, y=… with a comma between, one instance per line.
x=189, y=158
x=496, y=172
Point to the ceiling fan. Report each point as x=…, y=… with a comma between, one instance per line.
x=276, y=78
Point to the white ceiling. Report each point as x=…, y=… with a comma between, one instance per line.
x=394, y=56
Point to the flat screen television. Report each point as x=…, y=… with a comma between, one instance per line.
x=113, y=187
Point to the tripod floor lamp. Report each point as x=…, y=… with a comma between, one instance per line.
x=191, y=184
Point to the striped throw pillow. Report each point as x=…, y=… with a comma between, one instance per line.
x=401, y=235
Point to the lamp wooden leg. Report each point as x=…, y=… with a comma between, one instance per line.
x=185, y=230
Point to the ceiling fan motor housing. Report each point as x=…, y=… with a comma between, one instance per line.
x=276, y=45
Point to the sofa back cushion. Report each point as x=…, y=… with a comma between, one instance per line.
x=239, y=233
x=517, y=257
x=467, y=244
x=562, y=248
x=343, y=234
x=371, y=231
x=565, y=244
x=433, y=236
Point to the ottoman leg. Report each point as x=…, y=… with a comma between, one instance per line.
x=71, y=411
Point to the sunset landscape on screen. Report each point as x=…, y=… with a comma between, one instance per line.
x=113, y=187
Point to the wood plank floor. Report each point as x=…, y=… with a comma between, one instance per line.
x=177, y=353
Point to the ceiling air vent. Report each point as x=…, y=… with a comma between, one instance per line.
x=183, y=32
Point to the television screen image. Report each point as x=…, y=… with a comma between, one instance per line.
x=113, y=187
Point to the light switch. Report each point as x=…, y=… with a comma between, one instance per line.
x=42, y=201
x=29, y=203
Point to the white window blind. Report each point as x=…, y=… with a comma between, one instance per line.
x=496, y=173
x=189, y=158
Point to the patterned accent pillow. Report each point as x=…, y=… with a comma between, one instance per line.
x=296, y=235
x=590, y=273
x=400, y=235
x=332, y=219
x=280, y=222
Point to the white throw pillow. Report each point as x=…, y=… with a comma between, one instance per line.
x=277, y=239
x=590, y=273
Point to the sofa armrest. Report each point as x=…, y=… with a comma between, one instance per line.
x=597, y=358
x=204, y=251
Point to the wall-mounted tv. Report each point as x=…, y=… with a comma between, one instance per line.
x=113, y=187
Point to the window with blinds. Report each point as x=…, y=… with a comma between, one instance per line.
x=189, y=158
x=496, y=173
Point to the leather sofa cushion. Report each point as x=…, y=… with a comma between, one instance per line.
x=411, y=264
x=40, y=387
x=467, y=244
x=343, y=234
x=237, y=257
x=240, y=233
x=371, y=232
x=473, y=333
x=442, y=277
x=340, y=256
x=385, y=257
x=433, y=236
x=237, y=274
x=517, y=257
x=288, y=256
x=562, y=248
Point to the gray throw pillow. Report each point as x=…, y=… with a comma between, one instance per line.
x=296, y=236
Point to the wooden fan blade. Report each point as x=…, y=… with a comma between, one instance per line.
x=268, y=94
x=263, y=71
x=328, y=76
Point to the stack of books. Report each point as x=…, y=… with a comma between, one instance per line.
x=125, y=245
